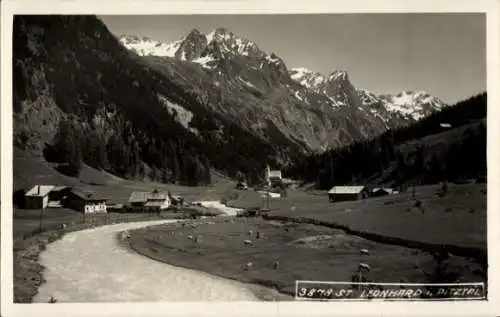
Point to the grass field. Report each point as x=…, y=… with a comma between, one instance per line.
x=457, y=219
x=313, y=252
x=304, y=252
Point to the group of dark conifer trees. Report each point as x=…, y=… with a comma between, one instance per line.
x=121, y=154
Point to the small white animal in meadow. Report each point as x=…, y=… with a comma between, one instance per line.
x=248, y=242
x=364, y=251
x=248, y=265
x=293, y=208
x=190, y=237
x=364, y=266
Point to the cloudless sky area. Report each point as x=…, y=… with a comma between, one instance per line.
x=441, y=53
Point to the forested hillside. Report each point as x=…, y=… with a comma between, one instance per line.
x=79, y=96
x=447, y=145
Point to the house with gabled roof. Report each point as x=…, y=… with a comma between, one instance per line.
x=149, y=201
x=347, y=193
x=37, y=197
x=85, y=201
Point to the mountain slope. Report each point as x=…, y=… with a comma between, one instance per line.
x=72, y=75
x=235, y=78
x=447, y=145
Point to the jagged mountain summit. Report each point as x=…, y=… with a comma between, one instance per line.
x=407, y=105
x=194, y=46
x=254, y=88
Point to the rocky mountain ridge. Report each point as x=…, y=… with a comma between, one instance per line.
x=313, y=110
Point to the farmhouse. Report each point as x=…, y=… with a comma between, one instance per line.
x=37, y=197
x=149, y=201
x=86, y=202
x=57, y=195
x=346, y=193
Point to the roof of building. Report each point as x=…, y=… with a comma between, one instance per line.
x=58, y=188
x=388, y=190
x=157, y=196
x=142, y=197
x=138, y=197
x=40, y=190
x=86, y=195
x=346, y=189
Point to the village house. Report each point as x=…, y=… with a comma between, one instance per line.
x=149, y=201
x=86, y=202
x=37, y=197
x=273, y=177
x=347, y=193
x=57, y=196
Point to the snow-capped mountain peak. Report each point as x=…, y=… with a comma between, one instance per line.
x=307, y=78
x=219, y=42
x=407, y=104
x=413, y=104
x=146, y=46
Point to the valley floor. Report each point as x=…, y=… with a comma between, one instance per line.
x=308, y=251
x=305, y=251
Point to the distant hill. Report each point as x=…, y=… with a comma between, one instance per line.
x=447, y=145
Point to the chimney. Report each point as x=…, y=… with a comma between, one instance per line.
x=38, y=189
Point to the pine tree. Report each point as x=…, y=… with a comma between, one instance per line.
x=67, y=146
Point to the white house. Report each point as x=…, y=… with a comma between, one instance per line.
x=38, y=197
x=273, y=176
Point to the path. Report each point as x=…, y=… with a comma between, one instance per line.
x=91, y=266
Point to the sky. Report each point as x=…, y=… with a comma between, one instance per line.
x=443, y=54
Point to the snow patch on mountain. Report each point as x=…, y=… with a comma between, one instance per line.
x=205, y=62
